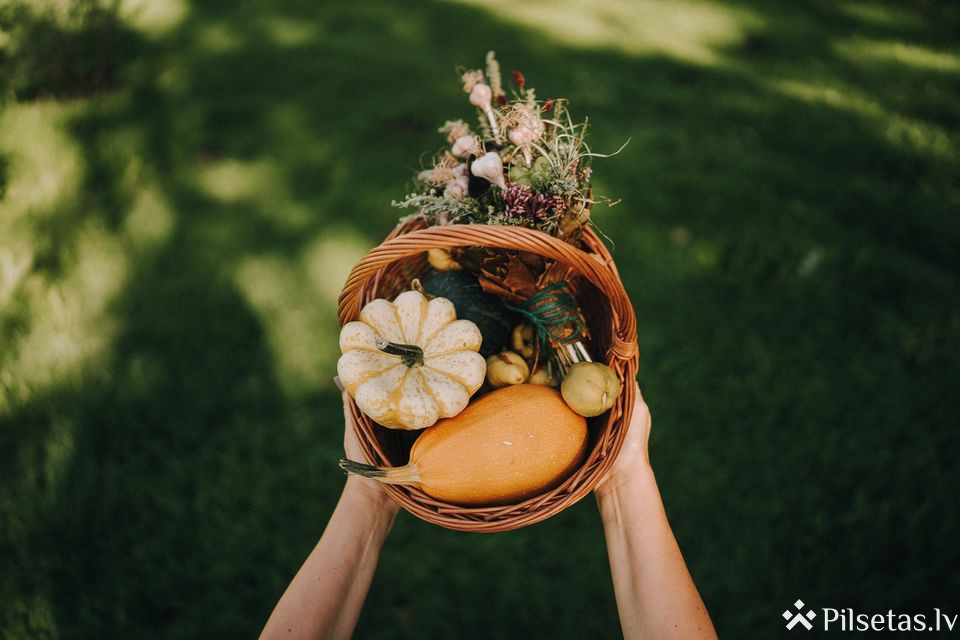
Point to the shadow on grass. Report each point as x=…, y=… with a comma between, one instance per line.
x=787, y=237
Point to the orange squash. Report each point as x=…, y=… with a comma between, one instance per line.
x=508, y=445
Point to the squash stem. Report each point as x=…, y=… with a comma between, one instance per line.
x=389, y=475
x=410, y=354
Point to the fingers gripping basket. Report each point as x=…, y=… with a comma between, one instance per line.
x=389, y=268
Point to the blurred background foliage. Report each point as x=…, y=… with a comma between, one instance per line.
x=186, y=184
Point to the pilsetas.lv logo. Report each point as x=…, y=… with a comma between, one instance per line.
x=798, y=617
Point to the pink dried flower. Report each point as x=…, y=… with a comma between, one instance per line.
x=516, y=200
x=542, y=205
x=519, y=201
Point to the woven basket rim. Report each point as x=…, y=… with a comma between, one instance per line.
x=412, y=238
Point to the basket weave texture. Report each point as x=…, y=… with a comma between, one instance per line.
x=389, y=269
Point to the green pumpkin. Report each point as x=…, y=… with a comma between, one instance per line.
x=472, y=303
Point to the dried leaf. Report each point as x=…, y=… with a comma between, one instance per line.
x=554, y=272
x=535, y=262
x=490, y=286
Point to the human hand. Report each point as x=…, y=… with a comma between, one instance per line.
x=634, y=457
x=370, y=490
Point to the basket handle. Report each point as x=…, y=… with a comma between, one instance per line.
x=605, y=278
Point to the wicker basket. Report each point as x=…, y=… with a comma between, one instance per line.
x=389, y=268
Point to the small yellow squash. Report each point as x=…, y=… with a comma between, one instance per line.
x=410, y=362
x=506, y=368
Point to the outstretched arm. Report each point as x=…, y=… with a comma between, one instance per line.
x=325, y=597
x=656, y=597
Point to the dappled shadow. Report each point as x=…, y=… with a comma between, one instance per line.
x=787, y=236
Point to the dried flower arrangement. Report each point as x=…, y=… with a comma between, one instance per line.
x=487, y=316
x=526, y=164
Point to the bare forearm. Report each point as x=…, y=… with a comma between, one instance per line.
x=656, y=596
x=325, y=598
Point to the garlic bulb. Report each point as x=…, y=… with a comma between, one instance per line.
x=464, y=146
x=481, y=96
x=457, y=188
x=489, y=167
x=528, y=129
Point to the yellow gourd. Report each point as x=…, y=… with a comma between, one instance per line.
x=441, y=260
x=506, y=368
x=410, y=362
x=541, y=375
x=590, y=388
x=524, y=340
x=508, y=445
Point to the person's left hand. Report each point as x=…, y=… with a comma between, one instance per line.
x=370, y=489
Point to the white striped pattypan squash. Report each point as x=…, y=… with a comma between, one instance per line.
x=410, y=362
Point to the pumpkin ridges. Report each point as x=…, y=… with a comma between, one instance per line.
x=392, y=397
x=426, y=387
x=441, y=336
x=423, y=315
x=432, y=363
x=455, y=378
x=396, y=318
x=369, y=316
x=425, y=339
x=366, y=376
x=416, y=400
x=448, y=405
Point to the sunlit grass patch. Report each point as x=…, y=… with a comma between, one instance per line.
x=218, y=38
x=902, y=132
x=153, y=17
x=259, y=182
x=689, y=30
x=44, y=159
x=150, y=220
x=68, y=321
x=328, y=259
x=859, y=49
x=286, y=32
x=881, y=14
x=295, y=299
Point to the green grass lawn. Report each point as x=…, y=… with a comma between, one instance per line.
x=185, y=187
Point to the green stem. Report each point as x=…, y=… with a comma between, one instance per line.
x=389, y=475
x=411, y=354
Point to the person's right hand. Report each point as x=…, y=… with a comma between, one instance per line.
x=634, y=456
